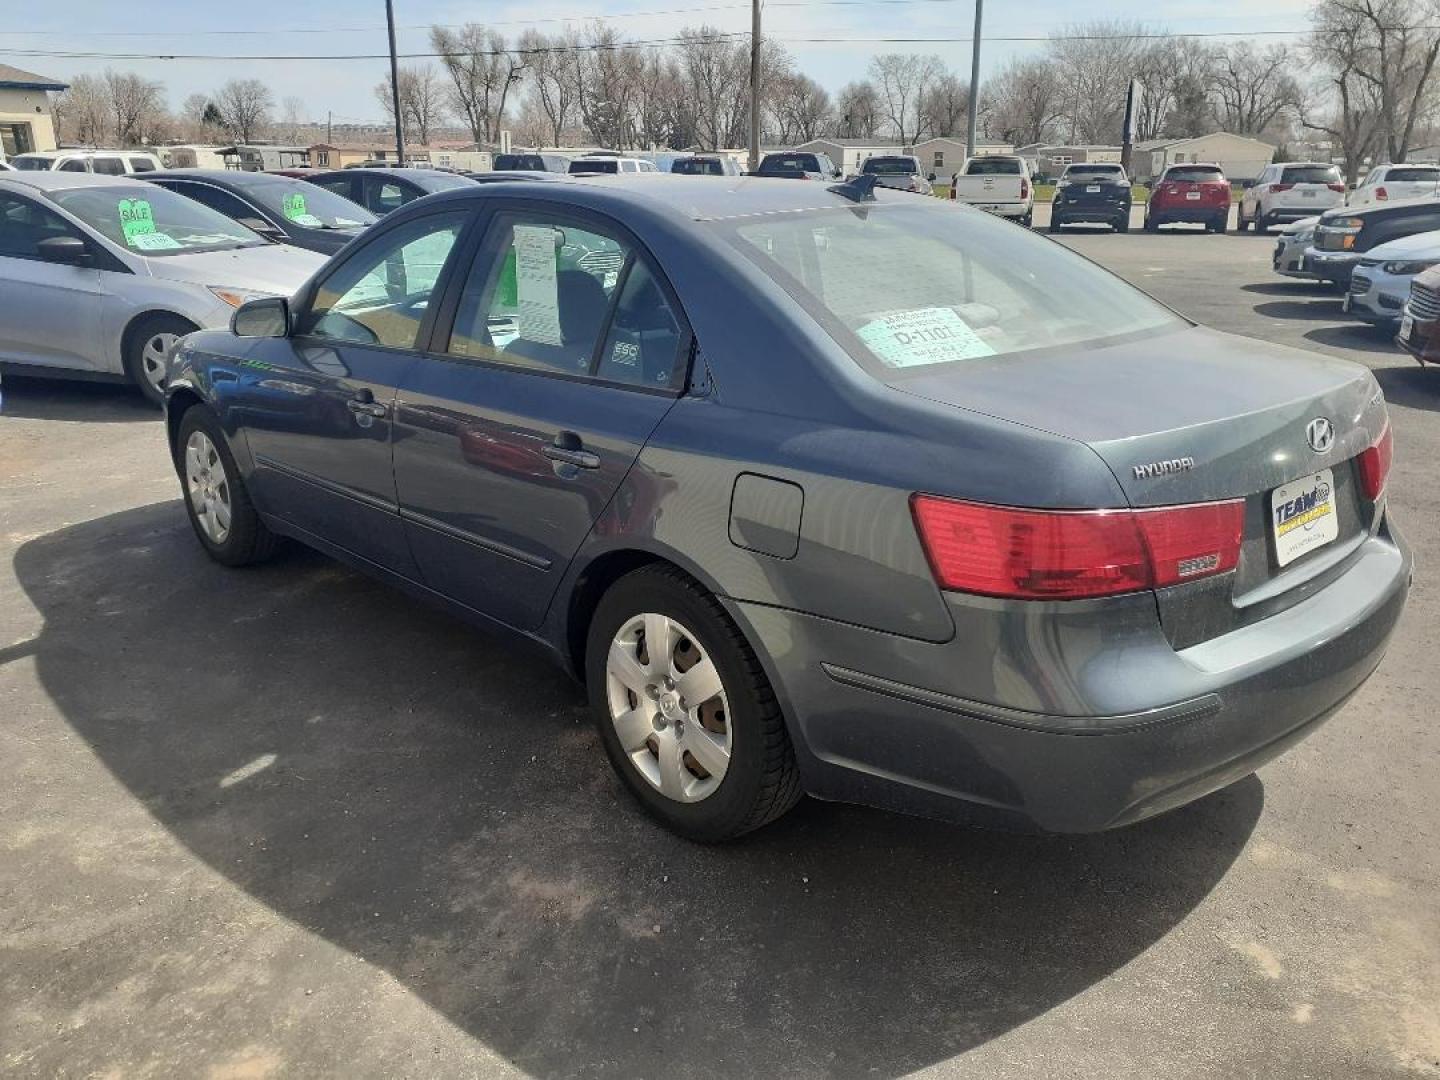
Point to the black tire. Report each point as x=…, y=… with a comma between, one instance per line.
x=1054, y=226
x=1222, y=223
x=247, y=540
x=1151, y=225
x=1262, y=223
x=1122, y=223
x=1241, y=225
x=761, y=781
x=140, y=335
x=1028, y=220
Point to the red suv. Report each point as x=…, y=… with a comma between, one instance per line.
x=1189, y=193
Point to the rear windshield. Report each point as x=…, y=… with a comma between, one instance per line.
x=697, y=167
x=916, y=287
x=1195, y=174
x=891, y=166
x=522, y=162
x=1427, y=173
x=1094, y=172
x=1310, y=174
x=154, y=221
x=602, y=165
x=309, y=205
x=993, y=167
x=791, y=162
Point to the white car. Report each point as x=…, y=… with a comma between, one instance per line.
x=1288, y=192
x=109, y=162
x=606, y=163
x=998, y=183
x=1289, y=256
x=1391, y=183
x=100, y=276
x=1380, y=282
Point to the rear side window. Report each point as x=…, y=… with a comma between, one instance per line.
x=110, y=166
x=891, y=166
x=696, y=167
x=1424, y=174
x=993, y=167
x=140, y=164
x=792, y=162
x=1194, y=174
x=73, y=165
x=1310, y=174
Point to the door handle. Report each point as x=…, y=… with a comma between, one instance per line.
x=568, y=449
x=364, y=404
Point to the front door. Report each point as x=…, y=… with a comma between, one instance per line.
x=317, y=408
x=564, y=352
x=49, y=313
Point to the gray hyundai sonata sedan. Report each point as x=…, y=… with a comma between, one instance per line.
x=820, y=489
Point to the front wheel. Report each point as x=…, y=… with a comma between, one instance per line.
x=686, y=714
x=225, y=521
x=148, y=346
x=1241, y=225
x=1221, y=223
x=1054, y=226
x=1151, y=225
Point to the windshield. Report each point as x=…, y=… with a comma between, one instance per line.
x=1094, y=172
x=891, y=166
x=1195, y=174
x=519, y=162
x=152, y=221
x=310, y=206
x=791, y=162
x=32, y=164
x=697, y=167
x=1423, y=173
x=916, y=287
x=1310, y=174
x=993, y=167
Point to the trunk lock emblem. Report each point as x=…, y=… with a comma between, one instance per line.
x=1320, y=434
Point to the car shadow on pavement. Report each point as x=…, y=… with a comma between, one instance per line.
x=1412, y=387
x=435, y=802
x=74, y=399
x=1355, y=335
x=1292, y=288
x=1318, y=308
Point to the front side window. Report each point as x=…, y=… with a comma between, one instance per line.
x=140, y=164
x=380, y=294
x=23, y=224
x=108, y=166
x=553, y=295
x=914, y=287
x=73, y=165
x=149, y=220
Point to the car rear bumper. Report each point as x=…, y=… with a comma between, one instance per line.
x=1088, y=723
x=1177, y=213
x=1423, y=340
x=1278, y=214
x=1097, y=211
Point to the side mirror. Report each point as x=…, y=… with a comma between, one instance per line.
x=68, y=250
x=268, y=317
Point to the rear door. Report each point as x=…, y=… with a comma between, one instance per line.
x=317, y=408
x=548, y=371
x=1311, y=188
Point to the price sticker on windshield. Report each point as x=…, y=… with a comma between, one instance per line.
x=294, y=209
x=154, y=241
x=924, y=336
x=136, y=219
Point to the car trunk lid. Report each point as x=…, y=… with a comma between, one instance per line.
x=1201, y=416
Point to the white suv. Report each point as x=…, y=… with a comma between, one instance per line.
x=1287, y=192
x=109, y=162
x=1389, y=183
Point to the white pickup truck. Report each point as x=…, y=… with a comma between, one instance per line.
x=999, y=183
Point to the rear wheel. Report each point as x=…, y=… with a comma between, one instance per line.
x=1028, y=219
x=1151, y=225
x=1122, y=223
x=1241, y=225
x=1221, y=223
x=148, y=346
x=1055, y=223
x=1262, y=223
x=224, y=519
x=687, y=716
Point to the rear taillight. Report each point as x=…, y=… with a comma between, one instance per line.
x=1281, y=187
x=1337, y=187
x=1024, y=188
x=1375, y=465
x=1381, y=193
x=1071, y=554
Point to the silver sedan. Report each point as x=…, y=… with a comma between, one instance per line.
x=102, y=275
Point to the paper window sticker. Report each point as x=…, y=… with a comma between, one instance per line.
x=506, y=296
x=154, y=241
x=925, y=336
x=536, y=284
x=136, y=219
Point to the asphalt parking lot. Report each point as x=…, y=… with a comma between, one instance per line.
x=287, y=822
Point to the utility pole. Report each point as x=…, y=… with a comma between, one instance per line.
x=754, y=85
x=974, y=83
x=395, y=85
x=329, y=127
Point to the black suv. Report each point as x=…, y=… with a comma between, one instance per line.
x=1345, y=232
x=798, y=165
x=1092, y=192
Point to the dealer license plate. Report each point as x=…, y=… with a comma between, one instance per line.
x=1192, y=195
x=1406, y=325
x=1093, y=189
x=1303, y=517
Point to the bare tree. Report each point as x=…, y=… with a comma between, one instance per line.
x=858, y=111
x=482, y=73
x=715, y=71
x=136, y=105
x=551, y=87
x=1391, y=46
x=1253, y=88
x=82, y=113
x=1176, y=75
x=801, y=108
x=1024, y=102
x=903, y=79
x=422, y=101
x=244, y=106
x=1096, y=61
x=1347, y=106
x=945, y=108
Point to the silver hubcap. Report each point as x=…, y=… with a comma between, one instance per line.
x=668, y=707
x=208, y=486
x=154, y=356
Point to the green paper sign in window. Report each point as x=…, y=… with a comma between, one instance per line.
x=136, y=219
x=294, y=209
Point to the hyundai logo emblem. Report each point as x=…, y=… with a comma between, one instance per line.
x=1320, y=434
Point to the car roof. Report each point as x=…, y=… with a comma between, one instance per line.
x=698, y=198
x=228, y=177
x=61, y=181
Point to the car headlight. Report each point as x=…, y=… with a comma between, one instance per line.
x=1404, y=266
x=236, y=297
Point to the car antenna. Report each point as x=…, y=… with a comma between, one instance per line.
x=857, y=189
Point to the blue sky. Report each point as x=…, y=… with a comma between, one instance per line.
x=345, y=87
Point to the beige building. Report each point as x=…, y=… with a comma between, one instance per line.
x=1239, y=156
x=944, y=154
x=25, y=121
